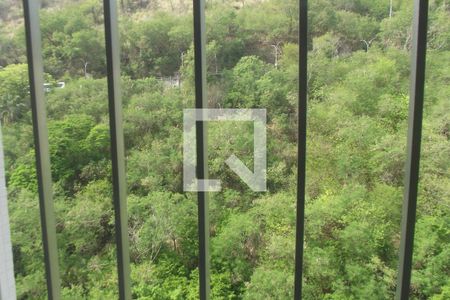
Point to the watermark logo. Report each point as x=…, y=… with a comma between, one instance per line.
x=256, y=180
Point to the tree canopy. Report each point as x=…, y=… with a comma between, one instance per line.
x=358, y=76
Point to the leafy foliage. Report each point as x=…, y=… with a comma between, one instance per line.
x=358, y=77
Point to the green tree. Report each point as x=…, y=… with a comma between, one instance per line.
x=14, y=92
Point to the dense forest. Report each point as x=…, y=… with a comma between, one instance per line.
x=358, y=79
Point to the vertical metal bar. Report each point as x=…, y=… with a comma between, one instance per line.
x=117, y=147
x=43, y=170
x=202, y=170
x=7, y=282
x=419, y=48
x=301, y=150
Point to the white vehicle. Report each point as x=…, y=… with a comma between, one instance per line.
x=49, y=86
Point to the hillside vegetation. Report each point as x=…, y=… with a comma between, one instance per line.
x=357, y=121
